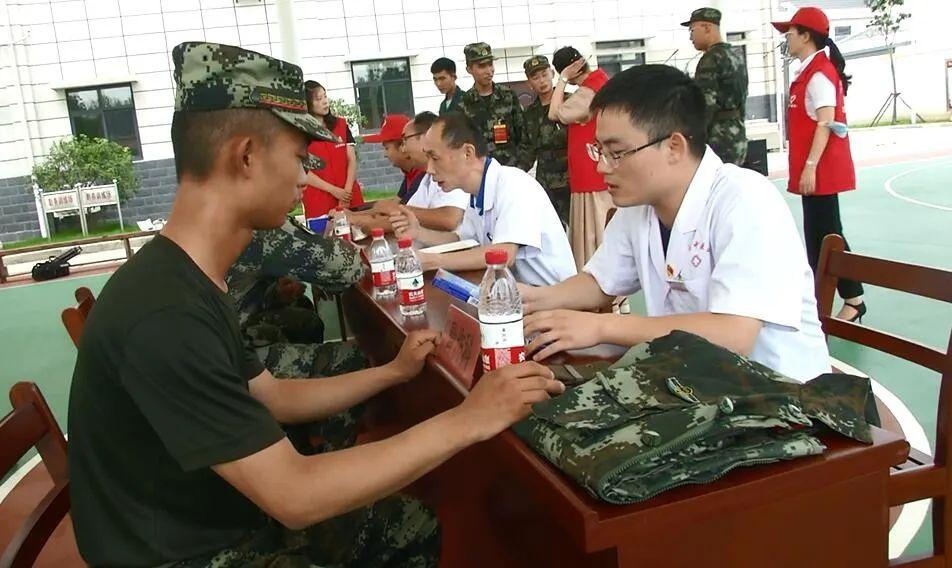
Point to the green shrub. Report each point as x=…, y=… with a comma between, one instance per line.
x=86, y=160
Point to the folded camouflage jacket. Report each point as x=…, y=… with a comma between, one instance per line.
x=680, y=410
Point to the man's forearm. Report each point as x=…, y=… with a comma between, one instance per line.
x=473, y=259
x=737, y=333
x=295, y=401
x=438, y=219
x=558, y=96
x=580, y=292
x=430, y=237
x=337, y=482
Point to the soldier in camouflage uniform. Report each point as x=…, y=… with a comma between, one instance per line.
x=282, y=325
x=545, y=142
x=722, y=76
x=493, y=108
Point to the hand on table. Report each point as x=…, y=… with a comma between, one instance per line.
x=413, y=353
x=405, y=223
x=561, y=330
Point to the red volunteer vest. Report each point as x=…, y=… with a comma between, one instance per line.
x=583, y=172
x=316, y=201
x=835, y=172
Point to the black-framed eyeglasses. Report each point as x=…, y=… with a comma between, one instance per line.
x=612, y=159
x=404, y=139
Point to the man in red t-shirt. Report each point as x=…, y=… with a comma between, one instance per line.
x=590, y=202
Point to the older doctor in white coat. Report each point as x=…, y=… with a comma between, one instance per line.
x=713, y=246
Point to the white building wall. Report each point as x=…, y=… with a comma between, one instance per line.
x=74, y=42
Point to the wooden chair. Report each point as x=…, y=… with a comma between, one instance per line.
x=74, y=317
x=30, y=424
x=921, y=477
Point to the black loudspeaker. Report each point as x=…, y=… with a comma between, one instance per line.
x=756, y=156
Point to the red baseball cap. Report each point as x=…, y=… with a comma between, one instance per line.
x=812, y=18
x=391, y=130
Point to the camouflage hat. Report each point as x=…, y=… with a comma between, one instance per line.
x=212, y=76
x=535, y=63
x=710, y=15
x=478, y=52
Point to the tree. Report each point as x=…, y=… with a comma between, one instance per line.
x=83, y=160
x=887, y=19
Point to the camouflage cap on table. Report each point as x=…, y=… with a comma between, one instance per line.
x=477, y=52
x=212, y=76
x=535, y=63
x=711, y=15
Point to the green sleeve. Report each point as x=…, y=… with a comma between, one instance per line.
x=331, y=264
x=528, y=151
x=706, y=77
x=518, y=127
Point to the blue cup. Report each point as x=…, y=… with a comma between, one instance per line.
x=318, y=224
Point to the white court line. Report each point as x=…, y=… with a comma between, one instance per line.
x=888, y=186
x=913, y=514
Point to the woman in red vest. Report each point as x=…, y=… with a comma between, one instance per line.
x=590, y=200
x=821, y=165
x=336, y=184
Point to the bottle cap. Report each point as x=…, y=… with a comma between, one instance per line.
x=376, y=232
x=338, y=208
x=497, y=256
x=405, y=243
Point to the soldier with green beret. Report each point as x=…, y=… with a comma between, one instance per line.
x=722, y=76
x=177, y=456
x=545, y=142
x=493, y=108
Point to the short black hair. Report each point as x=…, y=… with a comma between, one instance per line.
x=660, y=100
x=458, y=130
x=197, y=136
x=423, y=121
x=565, y=56
x=443, y=64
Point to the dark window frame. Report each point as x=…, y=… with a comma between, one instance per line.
x=101, y=113
x=372, y=124
x=740, y=50
x=616, y=59
x=842, y=32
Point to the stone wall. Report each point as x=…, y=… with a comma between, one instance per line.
x=17, y=210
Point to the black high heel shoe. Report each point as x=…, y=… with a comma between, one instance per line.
x=860, y=312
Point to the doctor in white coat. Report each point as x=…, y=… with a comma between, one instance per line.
x=713, y=246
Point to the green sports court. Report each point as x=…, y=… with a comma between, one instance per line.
x=901, y=211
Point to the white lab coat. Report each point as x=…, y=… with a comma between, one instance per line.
x=734, y=249
x=517, y=210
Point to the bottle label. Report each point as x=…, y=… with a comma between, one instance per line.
x=503, y=342
x=342, y=232
x=411, y=289
x=383, y=273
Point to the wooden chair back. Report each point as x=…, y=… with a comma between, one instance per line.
x=31, y=424
x=74, y=317
x=921, y=477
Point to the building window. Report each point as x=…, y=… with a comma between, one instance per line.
x=741, y=50
x=382, y=87
x=842, y=32
x=616, y=56
x=105, y=112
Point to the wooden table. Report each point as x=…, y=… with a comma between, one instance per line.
x=500, y=504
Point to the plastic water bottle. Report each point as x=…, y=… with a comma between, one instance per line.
x=382, y=265
x=341, y=225
x=410, y=280
x=500, y=314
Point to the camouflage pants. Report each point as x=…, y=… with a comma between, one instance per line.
x=299, y=360
x=298, y=323
x=728, y=139
x=395, y=532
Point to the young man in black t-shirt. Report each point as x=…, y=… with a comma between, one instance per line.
x=176, y=455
